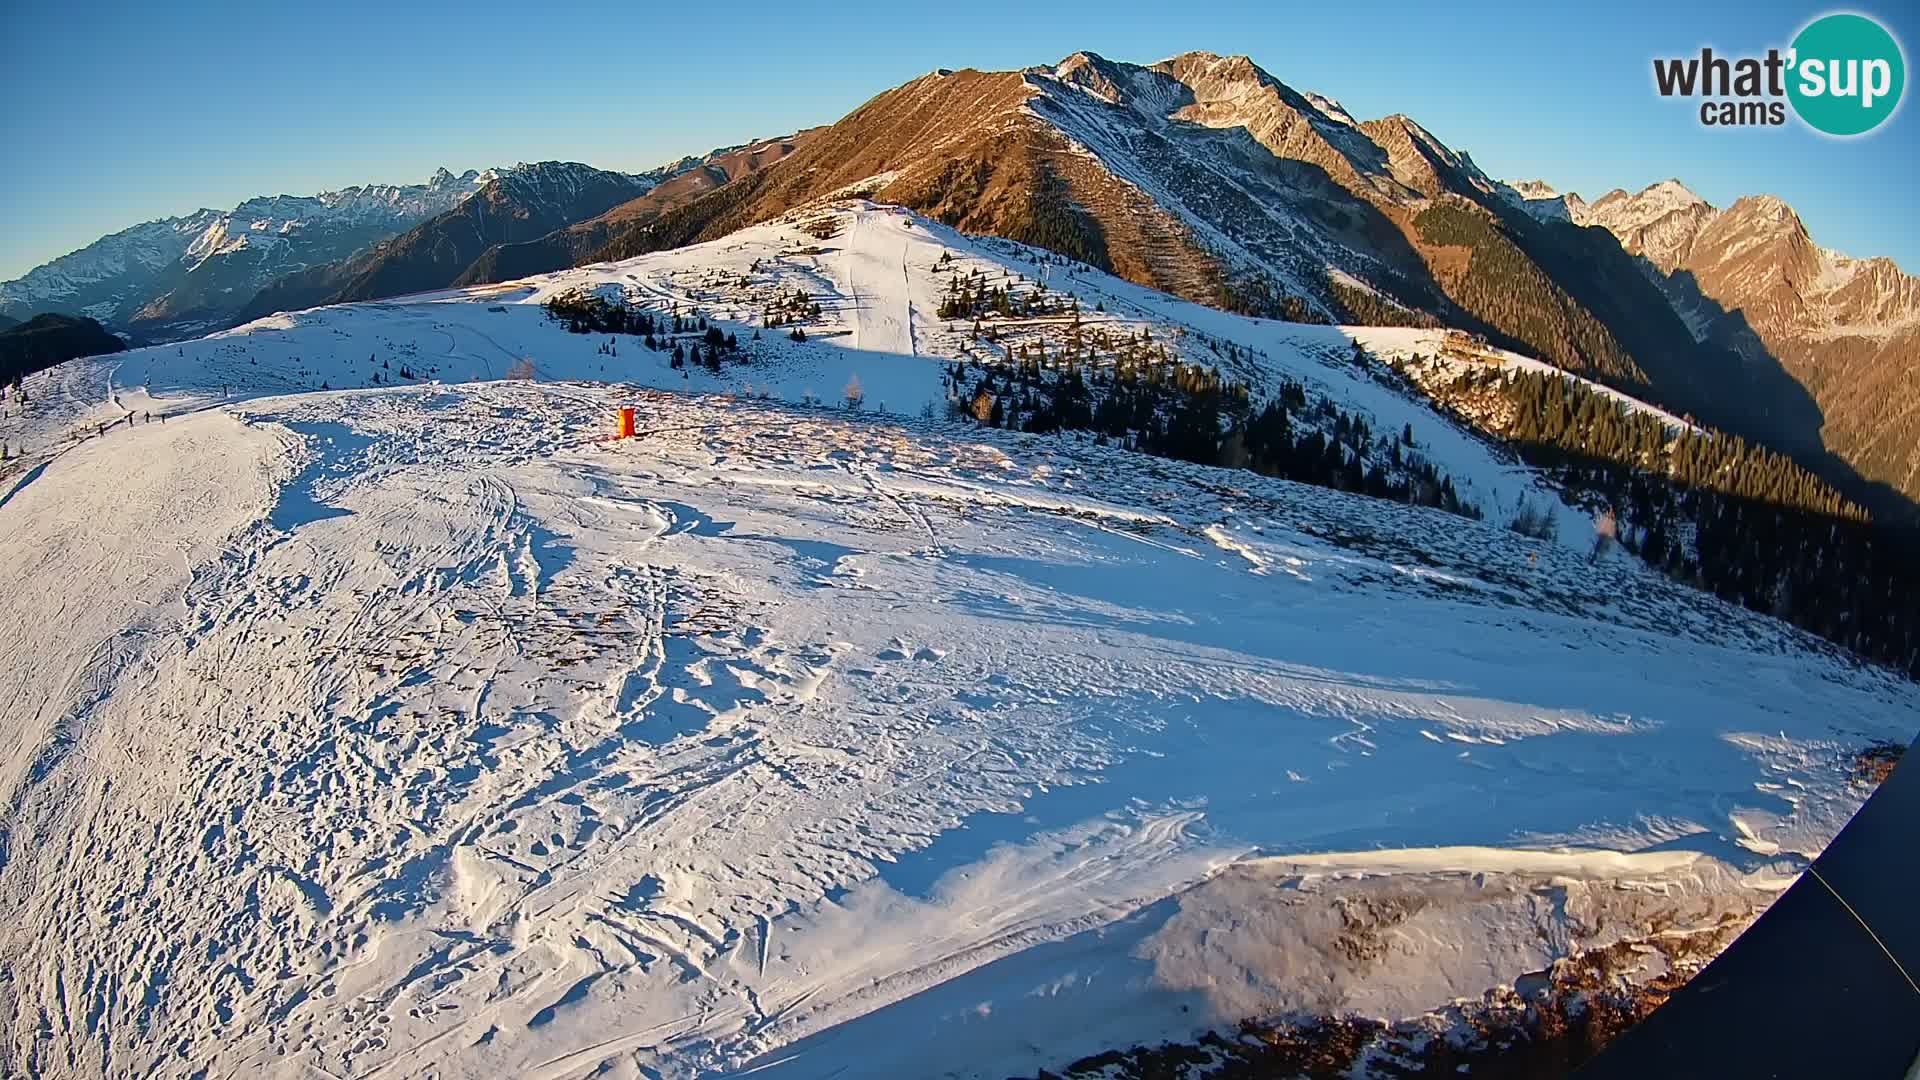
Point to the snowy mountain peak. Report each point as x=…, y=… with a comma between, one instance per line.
x=1766, y=209
x=1079, y=61
x=561, y=181
x=1094, y=74
x=1238, y=67
x=1673, y=193
x=1216, y=78
x=1152, y=94
x=1651, y=202
x=1543, y=201
x=1332, y=109
x=1659, y=221
x=1533, y=189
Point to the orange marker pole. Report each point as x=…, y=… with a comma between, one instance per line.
x=626, y=423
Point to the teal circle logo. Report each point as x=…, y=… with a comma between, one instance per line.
x=1848, y=73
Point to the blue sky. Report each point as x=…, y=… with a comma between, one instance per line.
x=120, y=113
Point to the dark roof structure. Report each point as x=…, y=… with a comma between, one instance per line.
x=1825, y=984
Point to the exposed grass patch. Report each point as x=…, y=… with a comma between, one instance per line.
x=1874, y=764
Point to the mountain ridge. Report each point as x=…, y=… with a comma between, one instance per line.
x=1206, y=176
x=529, y=219
x=691, y=177
x=523, y=201
x=48, y=339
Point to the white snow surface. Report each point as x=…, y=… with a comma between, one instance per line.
x=424, y=730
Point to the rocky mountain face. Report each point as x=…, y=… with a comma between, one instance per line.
x=1656, y=223
x=684, y=181
x=1539, y=199
x=113, y=277
x=1829, y=345
x=524, y=202
x=520, y=203
x=183, y=275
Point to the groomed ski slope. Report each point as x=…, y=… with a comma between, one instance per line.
x=424, y=731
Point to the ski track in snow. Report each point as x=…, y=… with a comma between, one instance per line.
x=423, y=731
x=882, y=314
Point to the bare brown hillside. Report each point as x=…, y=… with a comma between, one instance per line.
x=961, y=147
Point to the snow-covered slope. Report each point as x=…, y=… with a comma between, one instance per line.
x=1538, y=198
x=879, y=282
x=103, y=278
x=422, y=729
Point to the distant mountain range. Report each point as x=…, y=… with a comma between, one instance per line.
x=183, y=275
x=1202, y=175
x=204, y=271
x=521, y=203
x=529, y=219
